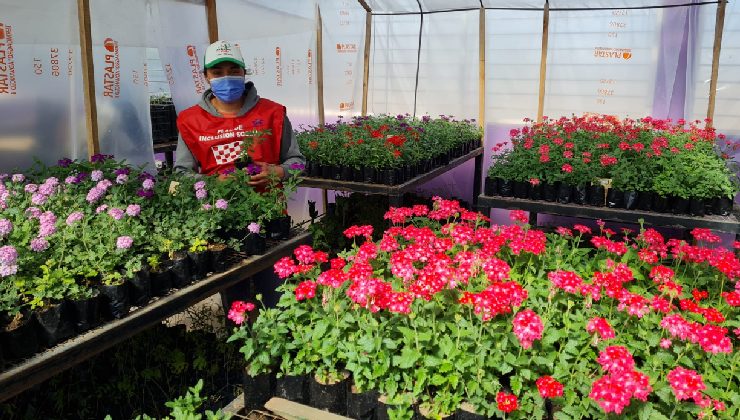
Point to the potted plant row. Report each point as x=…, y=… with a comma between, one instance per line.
x=385, y=149
x=645, y=164
x=449, y=316
x=164, y=119
x=82, y=242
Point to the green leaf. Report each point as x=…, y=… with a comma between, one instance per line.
x=408, y=358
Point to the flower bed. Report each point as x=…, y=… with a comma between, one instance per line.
x=445, y=311
x=82, y=238
x=647, y=164
x=385, y=149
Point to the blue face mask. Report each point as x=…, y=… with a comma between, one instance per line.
x=228, y=88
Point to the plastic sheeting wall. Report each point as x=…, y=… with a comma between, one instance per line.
x=121, y=31
x=41, y=108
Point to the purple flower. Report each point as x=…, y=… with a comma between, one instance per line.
x=426, y=118
x=6, y=226
x=48, y=224
x=253, y=227
x=18, y=178
x=222, y=204
x=122, y=171
x=71, y=180
x=297, y=166
x=228, y=171
x=104, y=184
x=201, y=194
x=122, y=179
x=38, y=199
x=253, y=169
x=74, y=217
x=64, y=162
x=148, y=184
x=47, y=189
x=8, y=270
x=133, y=210
x=145, y=175
x=31, y=188
x=101, y=208
x=116, y=213
x=39, y=244
x=51, y=181
x=8, y=255
x=33, y=212
x=95, y=194
x=207, y=207
x=124, y=242
x=199, y=185
x=81, y=177
x=145, y=193
x=100, y=158
x=96, y=175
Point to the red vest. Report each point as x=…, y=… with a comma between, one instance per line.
x=215, y=142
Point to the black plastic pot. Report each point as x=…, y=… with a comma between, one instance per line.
x=326, y=171
x=521, y=189
x=696, y=207
x=361, y=405
x=218, y=260
x=660, y=203
x=467, y=412
x=645, y=200
x=680, y=205
x=580, y=194
x=536, y=192
x=388, y=176
x=329, y=397
x=565, y=191
x=87, y=312
x=314, y=169
x=161, y=279
x=490, y=187
x=630, y=200
x=596, y=195
x=56, y=323
x=254, y=244
x=292, y=388
x=20, y=342
x=336, y=173
x=358, y=175
x=615, y=198
x=257, y=391
x=198, y=264
x=722, y=206
x=180, y=270
x=368, y=175
x=345, y=173
x=115, y=300
x=506, y=187
x=381, y=411
x=278, y=228
x=550, y=191
x=140, y=287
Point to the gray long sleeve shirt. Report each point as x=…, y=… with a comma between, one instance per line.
x=290, y=153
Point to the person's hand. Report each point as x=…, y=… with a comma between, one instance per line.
x=262, y=178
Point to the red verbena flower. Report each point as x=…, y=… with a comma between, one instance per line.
x=601, y=327
x=506, y=402
x=527, y=327
x=549, y=387
x=686, y=383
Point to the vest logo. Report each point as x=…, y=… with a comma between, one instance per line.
x=111, y=70
x=7, y=62
x=607, y=53
x=198, y=82
x=346, y=48
x=278, y=67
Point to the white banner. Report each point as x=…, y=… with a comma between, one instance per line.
x=40, y=83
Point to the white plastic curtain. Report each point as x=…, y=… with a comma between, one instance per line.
x=121, y=32
x=278, y=42
x=41, y=108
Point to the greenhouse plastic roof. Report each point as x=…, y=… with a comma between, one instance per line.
x=435, y=6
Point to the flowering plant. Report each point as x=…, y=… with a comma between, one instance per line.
x=445, y=309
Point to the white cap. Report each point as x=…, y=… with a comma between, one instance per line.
x=221, y=51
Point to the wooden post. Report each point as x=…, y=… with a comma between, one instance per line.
x=212, y=21
x=718, y=29
x=88, y=77
x=543, y=60
x=320, y=85
x=482, y=67
x=366, y=60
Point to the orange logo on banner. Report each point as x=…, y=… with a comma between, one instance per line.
x=7, y=63
x=602, y=52
x=278, y=67
x=111, y=70
x=198, y=81
x=346, y=48
x=346, y=106
x=191, y=50
x=309, y=67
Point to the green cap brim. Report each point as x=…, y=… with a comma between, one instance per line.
x=224, y=59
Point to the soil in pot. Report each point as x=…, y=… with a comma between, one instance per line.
x=722, y=206
x=115, y=300
x=467, y=412
x=596, y=195
x=361, y=405
x=19, y=339
x=180, y=270
x=565, y=191
x=680, y=205
x=506, y=187
x=490, y=187
x=161, y=279
x=292, y=388
x=630, y=200
x=615, y=198
x=696, y=207
x=140, y=287
x=645, y=200
x=56, y=323
x=550, y=192
x=660, y=203
x=198, y=264
x=87, y=312
x=330, y=396
x=521, y=189
x=218, y=257
x=580, y=195
x=257, y=391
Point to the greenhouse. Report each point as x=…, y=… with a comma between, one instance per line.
x=369, y=209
